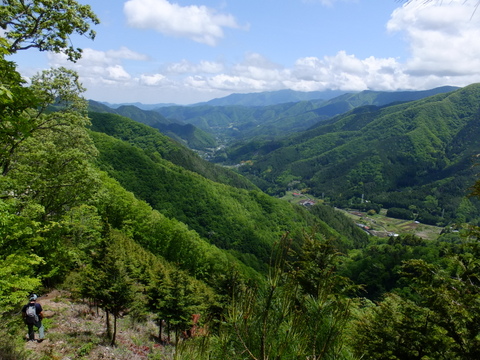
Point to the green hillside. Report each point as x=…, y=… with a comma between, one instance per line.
x=245, y=221
x=160, y=146
x=68, y=220
x=186, y=134
x=414, y=155
x=139, y=249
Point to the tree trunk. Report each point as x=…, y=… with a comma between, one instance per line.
x=160, y=328
x=109, y=332
x=114, y=329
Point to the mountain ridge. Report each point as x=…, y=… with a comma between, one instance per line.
x=239, y=122
x=416, y=149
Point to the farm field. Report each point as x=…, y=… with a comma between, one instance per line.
x=378, y=224
x=384, y=225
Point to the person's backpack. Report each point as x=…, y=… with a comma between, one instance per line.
x=31, y=314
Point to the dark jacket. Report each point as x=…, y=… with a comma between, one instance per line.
x=38, y=310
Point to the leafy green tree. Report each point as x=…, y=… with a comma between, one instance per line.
x=181, y=302
x=106, y=281
x=158, y=292
x=15, y=100
x=46, y=25
x=301, y=311
x=436, y=316
x=453, y=297
x=17, y=279
x=47, y=168
x=399, y=329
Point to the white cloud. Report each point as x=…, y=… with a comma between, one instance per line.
x=185, y=67
x=443, y=40
x=443, y=37
x=127, y=54
x=153, y=80
x=346, y=72
x=257, y=67
x=96, y=67
x=198, y=23
x=257, y=73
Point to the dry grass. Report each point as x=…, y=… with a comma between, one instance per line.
x=74, y=330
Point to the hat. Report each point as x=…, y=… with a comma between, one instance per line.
x=33, y=297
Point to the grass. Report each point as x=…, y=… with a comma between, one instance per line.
x=76, y=331
x=379, y=222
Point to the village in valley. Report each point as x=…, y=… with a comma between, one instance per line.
x=373, y=224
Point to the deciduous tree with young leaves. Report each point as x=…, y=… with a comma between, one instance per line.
x=46, y=25
x=44, y=145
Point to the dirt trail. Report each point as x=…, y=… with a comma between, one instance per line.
x=73, y=330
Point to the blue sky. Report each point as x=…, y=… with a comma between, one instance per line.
x=159, y=51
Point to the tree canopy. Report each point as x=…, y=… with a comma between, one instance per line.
x=46, y=25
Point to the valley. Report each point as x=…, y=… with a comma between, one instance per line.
x=326, y=225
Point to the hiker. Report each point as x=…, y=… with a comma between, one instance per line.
x=32, y=314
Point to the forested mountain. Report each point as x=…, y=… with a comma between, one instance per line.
x=186, y=134
x=415, y=156
x=238, y=217
x=163, y=147
x=272, y=98
x=133, y=225
x=138, y=104
x=241, y=122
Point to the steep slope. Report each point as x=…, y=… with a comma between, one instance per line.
x=244, y=221
x=186, y=134
x=396, y=155
x=161, y=146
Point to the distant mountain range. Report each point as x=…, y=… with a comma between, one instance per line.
x=288, y=96
x=272, y=98
x=250, y=99
x=406, y=150
x=256, y=115
x=136, y=104
x=242, y=122
x=408, y=155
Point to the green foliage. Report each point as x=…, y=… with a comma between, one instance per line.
x=351, y=235
x=433, y=316
x=394, y=156
x=59, y=214
x=161, y=149
x=44, y=156
x=399, y=329
x=15, y=100
x=377, y=266
x=400, y=213
x=10, y=351
x=160, y=235
x=106, y=281
x=17, y=280
x=46, y=25
x=230, y=218
x=297, y=314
